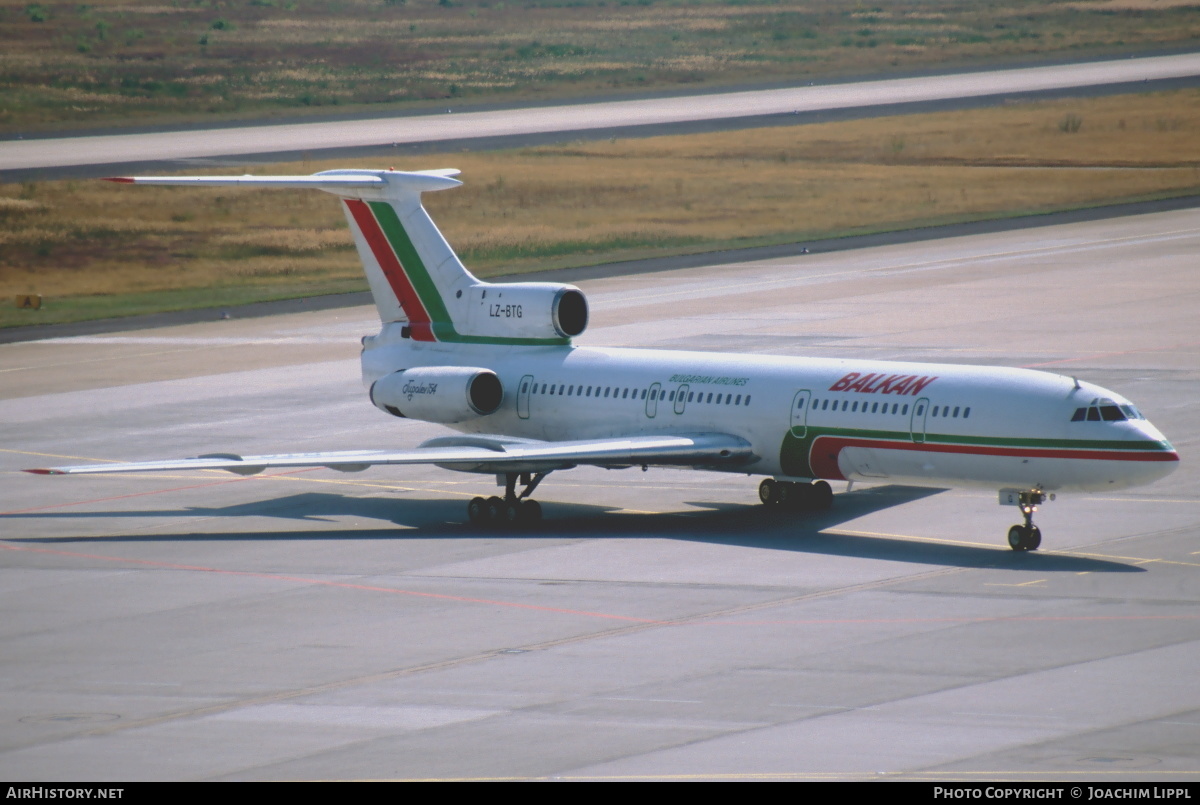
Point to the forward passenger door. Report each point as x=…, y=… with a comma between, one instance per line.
x=523, y=393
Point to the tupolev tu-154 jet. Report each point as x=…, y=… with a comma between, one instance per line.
x=497, y=363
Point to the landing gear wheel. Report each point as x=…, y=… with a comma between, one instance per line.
x=795, y=496
x=531, y=511
x=477, y=511
x=1034, y=539
x=822, y=496
x=769, y=492
x=1016, y=538
x=799, y=497
x=1024, y=538
x=511, y=514
x=495, y=507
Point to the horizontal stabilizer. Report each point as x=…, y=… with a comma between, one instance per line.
x=333, y=181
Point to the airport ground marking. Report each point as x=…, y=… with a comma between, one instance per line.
x=847, y=532
x=951, y=620
x=1138, y=560
x=57, y=455
x=328, y=583
x=1134, y=559
x=699, y=619
x=152, y=492
x=631, y=626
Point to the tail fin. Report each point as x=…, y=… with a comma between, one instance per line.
x=414, y=275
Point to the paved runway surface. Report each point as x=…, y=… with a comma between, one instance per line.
x=307, y=137
x=318, y=625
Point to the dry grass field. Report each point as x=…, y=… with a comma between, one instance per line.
x=96, y=249
x=136, y=62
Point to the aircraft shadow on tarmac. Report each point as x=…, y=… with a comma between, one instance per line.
x=721, y=523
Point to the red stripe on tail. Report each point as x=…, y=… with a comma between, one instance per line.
x=421, y=328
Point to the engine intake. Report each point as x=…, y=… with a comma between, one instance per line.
x=445, y=394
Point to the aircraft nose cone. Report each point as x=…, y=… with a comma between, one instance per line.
x=1162, y=464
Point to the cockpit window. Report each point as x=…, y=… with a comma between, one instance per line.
x=1111, y=413
x=1132, y=412
x=1105, y=410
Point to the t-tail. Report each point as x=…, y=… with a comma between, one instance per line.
x=414, y=275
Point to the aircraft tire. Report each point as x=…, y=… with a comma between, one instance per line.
x=477, y=511
x=1034, y=539
x=495, y=506
x=1017, y=539
x=769, y=492
x=800, y=497
x=822, y=496
x=531, y=512
x=511, y=514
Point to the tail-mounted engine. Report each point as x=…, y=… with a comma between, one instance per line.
x=444, y=394
x=538, y=310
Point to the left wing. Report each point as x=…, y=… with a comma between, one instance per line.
x=487, y=454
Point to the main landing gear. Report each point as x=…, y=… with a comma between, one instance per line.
x=817, y=496
x=511, y=510
x=1026, y=537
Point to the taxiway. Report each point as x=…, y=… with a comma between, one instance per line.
x=23, y=158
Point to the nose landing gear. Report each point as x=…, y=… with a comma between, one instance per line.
x=1027, y=537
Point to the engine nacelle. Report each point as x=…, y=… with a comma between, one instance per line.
x=526, y=310
x=444, y=394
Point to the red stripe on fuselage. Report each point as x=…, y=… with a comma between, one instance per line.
x=421, y=328
x=823, y=454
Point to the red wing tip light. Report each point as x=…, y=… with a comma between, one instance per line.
x=119, y=179
x=45, y=472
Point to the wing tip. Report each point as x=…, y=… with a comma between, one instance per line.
x=44, y=471
x=119, y=179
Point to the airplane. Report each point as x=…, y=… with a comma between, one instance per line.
x=497, y=363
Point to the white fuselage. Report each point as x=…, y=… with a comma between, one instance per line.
x=916, y=423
